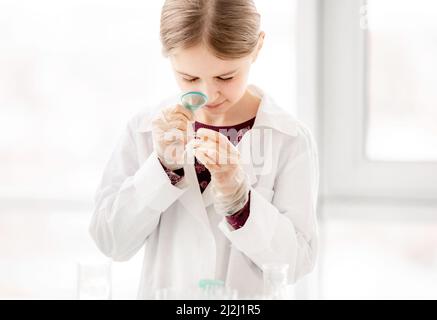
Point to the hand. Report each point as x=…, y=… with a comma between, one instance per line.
x=229, y=182
x=170, y=136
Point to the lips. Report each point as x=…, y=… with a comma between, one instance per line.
x=212, y=106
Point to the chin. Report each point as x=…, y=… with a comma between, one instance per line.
x=217, y=110
x=223, y=108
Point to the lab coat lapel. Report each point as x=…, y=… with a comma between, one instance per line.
x=192, y=198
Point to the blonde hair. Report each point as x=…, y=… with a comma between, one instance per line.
x=229, y=28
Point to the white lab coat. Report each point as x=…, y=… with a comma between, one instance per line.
x=184, y=240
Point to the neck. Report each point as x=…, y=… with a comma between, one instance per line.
x=245, y=109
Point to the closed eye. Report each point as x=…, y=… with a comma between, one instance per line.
x=191, y=80
x=225, y=79
x=219, y=78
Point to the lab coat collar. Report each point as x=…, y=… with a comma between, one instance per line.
x=269, y=114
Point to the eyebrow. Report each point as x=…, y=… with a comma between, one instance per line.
x=223, y=75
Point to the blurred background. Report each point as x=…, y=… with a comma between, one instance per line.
x=361, y=74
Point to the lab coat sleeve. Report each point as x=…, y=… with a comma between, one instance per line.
x=284, y=229
x=130, y=200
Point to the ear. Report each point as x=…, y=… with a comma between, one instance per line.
x=259, y=45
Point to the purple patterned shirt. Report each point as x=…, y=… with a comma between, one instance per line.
x=234, y=134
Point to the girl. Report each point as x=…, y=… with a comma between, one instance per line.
x=248, y=195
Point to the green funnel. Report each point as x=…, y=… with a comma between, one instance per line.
x=193, y=100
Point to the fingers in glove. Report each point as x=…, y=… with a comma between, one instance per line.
x=177, y=124
x=174, y=135
x=159, y=122
x=226, y=155
x=208, y=135
x=177, y=112
x=207, y=158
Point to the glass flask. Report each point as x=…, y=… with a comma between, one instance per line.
x=275, y=281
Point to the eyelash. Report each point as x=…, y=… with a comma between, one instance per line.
x=194, y=80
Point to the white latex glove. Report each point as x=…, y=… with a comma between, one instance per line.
x=229, y=182
x=170, y=134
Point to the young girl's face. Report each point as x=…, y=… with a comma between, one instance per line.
x=223, y=81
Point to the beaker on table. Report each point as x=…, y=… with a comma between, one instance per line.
x=94, y=281
x=275, y=281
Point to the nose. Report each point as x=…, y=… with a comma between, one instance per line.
x=211, y=91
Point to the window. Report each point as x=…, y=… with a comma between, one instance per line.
x=378, y=111
x=401, y=67
x=379, y=164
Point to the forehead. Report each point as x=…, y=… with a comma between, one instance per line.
x=199, y=61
